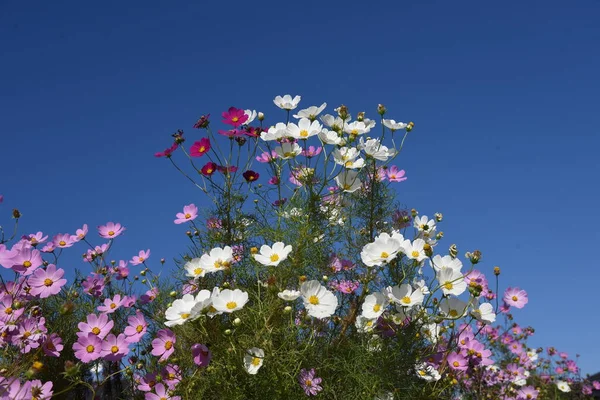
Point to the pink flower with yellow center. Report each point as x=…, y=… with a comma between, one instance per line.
x=110, y=230
x=190, y=212
x=200, y=147
x=234, y=117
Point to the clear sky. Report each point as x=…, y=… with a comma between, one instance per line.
x=504, y=96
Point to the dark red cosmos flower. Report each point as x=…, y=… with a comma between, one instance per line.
x=223, y=169
x=209, y=169
x=250, y=176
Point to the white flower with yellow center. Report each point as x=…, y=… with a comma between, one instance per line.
x=180, y=311
x=438, y=263
x=273, y=255
x=375, y=149
x=364, y=324
x=211, y=311
x=374, y=305
x=347, y=157
x=286, y=102
x=217, y=259
x=451, y=282
x=356, y=128
x=194, y=269
x=275, y=132
x=427, y=372
x=383, y=250
x=289, y=295
x=431, y=332
x=404, y=295
x=230, y=300
x=318, y=301
x=414, y=250
x=304, y=129
x=393, y=125
x=452, y=307
x=563, y=386
x=485, y=313
x=203, y=301
x=288, y=150
x=334, y=122
x=253, y=360
x=331, y=137
x=310, y=112
x=348, y=181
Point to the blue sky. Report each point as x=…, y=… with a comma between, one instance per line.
x=504, y=97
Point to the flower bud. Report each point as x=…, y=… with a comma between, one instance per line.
x=162, y=260
x=16, y=214
x=237, y=322
x=261, y=116
x=496, y=270
x=287, y=309
x=178, y=136
x=427, y=249
x=474, y=257
x=381, y=110
x=227, y=332
x=438, y=217
x=37, y=366
x=361, y=116
x=144, y=281
x=253, y=250
x=414, y=212
x=173, y=294
x=325, y=278
x=453, y=251
x=342, y=111
x=240, y=140
x=439, y=235
x=143, y=272
x=410, y=126
x=302, y=278
x=189, y=233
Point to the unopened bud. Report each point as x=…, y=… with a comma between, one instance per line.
x=162, y=260
x=302, y=278
x=496, y=271
x=361, y=116
x=342, y=111
x=143, y=272
x=240, y=140
x=144, y=281
x=474, y=257
x=325, y=278
x=381, y=110
x=414, y=212
x=253, y=250
x=438, y=217
x=261, y=116
x=227, y=332
x=410, y=126
x=173, y=294
x=237, y=322
x=439, y=235
x=287, y=309
x=453, y=251
x=16, y=213
x=189, y=233
x=427, y=249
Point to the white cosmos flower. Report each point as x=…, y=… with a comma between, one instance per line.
x=563, y=386
x=421, y=284
x=438, y=263
x=451, y=282
x=369, y=123
x=217, y=259
x=273, y=255
x=374, y=305
x=375, y=149
x=393, y=125
x=453, y=307
x=356, y=128
x=310, y=112
x=251, y=116
x=383, y=250
x=414, y=250
x=404, y=295
x=318, y=301
x=289, y=295
x=230, y=300
x=333, y=122
x=274, y=132
x=212, y=311
x=286, y=102
x=431, y=332
x=348, y=181
x=180, y=311
x=423, y=223
x=485, y=313
x=203, y=302
x=364, y=324
x=288, y=150
x=330, y=137
x=384, y=396
x=194, y=268
x=346, y=156
x=253, y=360
x=427, y=372
x=304, y=129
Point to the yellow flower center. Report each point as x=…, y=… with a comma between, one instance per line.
x=308, y=382
x=139, y=328
x=89, y=348
x=218, y=264
x=185, y=316
x=406, y=300
x=27, y=264
x=274, y=257
x=256, y=361
x=8, y=310
x=96, y=330
x=348, y=164
x=235, y=119
x=314, y=300
x=384, y=254
x=289, y=154
x=142, y=259
x=448, y=285
x=303, y=133
x=201, y=149
x=415, y=254
x=377, y=307
x=453, y=313
x=198, y=271
x=422, y=373
x=231, y=305
x=456, y=364
x=62, y=243
x=26, y=334
x=48, y=282
x=347, y=187
x=354, y=131
x=168, y=345
x=114, y=349
x=113, y=306
x=111, y=233
x=187, y=216
x=515, y=298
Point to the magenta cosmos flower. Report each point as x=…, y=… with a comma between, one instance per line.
x=88, y=348
x=395, y=175
x=164, y=344
x=115, y=347
x=310, y=383
x=515, y=297
x=96, y=325
x=48, y=282
x=167, y=152
x=160, y=393
x=112, y=305
x=201, y=354
x=200, y=148
x=209, y=169
x=234, y=117
x=190, y=212
x=136, y=328
x=140, y=258
x=110, y=230
x=202, y=122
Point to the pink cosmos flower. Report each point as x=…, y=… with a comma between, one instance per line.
x=149, y=296
x=36, y=238
x=36, y=390
x=231, y=133
x=63, y=240
x=312, y=151
x=345, y=286
x=596, y=385
x=97, y=325
x=48, y=248
x=114, y=347
x=53, y=345
x=214, y=223
x=164, y=344
x=88, y=348
x=234, y=117
x=81, y=233
x=140, y=258
x=209, y=169
x=200, y=147
x=274, y=180
x=110, y=230
x=395, y=175
x=147, y=382
x=167, y=152
x=112, y=305
x=6, y=256
x=528, y=392
x=201, y=354
x=121, y=271
x=27, y=261
x=171, y=375
x=93, y=285
x=265, y=157
x=457, y=362
x=515, y=297
x=310, y=384
x=46, y=282
x=190, y=212
x=136, y=328
x=161, y=393
x=202, y=122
